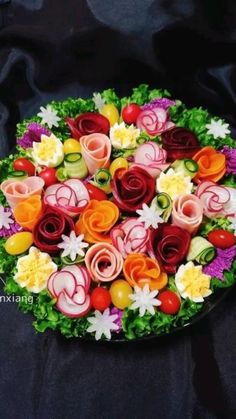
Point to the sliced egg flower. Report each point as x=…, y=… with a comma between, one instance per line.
x=174, y=184
x=192, y=283
x=123, y=137
x=49, y=151
x=34, y=269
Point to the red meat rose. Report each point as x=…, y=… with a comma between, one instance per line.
x=180, y=143
x=131, y=188
x=169, y=245
x=88, y=123
x=49, y=229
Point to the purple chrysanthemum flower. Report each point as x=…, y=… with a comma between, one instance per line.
x=163, y=103
x=8, y=225
x=33, y=133
x=230, y=155
x=118, y=321
x=223, y=261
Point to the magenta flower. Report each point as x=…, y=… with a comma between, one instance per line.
x=163, y=103
x=230, y=155
x=222, y=262
x=8, y=225
x=118, y=321
x=33, y=133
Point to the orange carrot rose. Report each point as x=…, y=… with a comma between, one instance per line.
x=211, y=165
x=140, y=270
x=28, y=212
x=96, y=221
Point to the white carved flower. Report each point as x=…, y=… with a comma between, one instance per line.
x=149, y=216
x=5, y=218
x=144, y=300
x=73, y=245
x=98, y=101
x=218, y=129
x=103, y=324
x=49, y=116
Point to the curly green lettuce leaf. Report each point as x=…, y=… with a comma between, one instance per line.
x=229, y=279
x=7, y=262
x=230, y=181
x=214, y=224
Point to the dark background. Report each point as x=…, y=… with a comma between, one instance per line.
x=55, y=49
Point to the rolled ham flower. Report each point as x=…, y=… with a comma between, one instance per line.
x=130, y=236
x=211, y=165
x=28, y=212
x=150, y=157
x=154, y=121
x=88, y=123
x=71, y=197
x=131, y=188
x=103, y=262
x=169, y=244
x=97, y=220
x=96, y=151
x=180, y=143
x=17, y=191
x=217, y=200
x=49, y=229
x=140, y=270
x=187, y=212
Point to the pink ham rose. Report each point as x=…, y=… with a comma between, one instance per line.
x=187, y=212
x=217, y=200
x=17, y=191
x=71, y=197
x=104, y=262
x=96, y=151
x=151, y=157
x=130, y=236
x=154, y=121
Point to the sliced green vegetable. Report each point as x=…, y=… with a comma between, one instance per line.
x=201, y=250
x=102, y=180
x=17, y=175
x=75, y=166
x=187, y=166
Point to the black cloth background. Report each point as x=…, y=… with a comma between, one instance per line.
x=55, y=49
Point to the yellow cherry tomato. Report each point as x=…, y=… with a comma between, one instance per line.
x=18, y=243
x=120, y=291
x=71, y=146
x=111, y=113
x=119, y=163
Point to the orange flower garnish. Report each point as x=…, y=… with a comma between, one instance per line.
x=96, y=221
x=211, y=165
x=28, y=212
x=140, y=270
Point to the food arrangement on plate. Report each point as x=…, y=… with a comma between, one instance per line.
x=118, y=215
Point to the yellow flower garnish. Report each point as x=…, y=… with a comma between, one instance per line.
x=192, y=283
x=123, y=137
x=34, y=269
x=49, y=151
x=174, y=184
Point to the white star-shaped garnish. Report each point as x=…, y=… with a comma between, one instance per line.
x=149, y=216
x=73, y=245
x=103, y=324
x=144, y=300
x=233, y=224
x=5, y=218
x=218, y=128
x=49, y=116
x=98, y=101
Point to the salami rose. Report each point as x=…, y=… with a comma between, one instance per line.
x=169, y=244
x=131, y=188
x=88, y=123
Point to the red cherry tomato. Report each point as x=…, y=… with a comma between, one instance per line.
x=95, y=193
x=170, y=302
x=130, y=113
x=100, y=298
x=49, y=176
x=24, y=164
x=221, y=238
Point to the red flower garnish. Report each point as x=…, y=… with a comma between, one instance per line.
x=131, y=188
x=88, y=123
x=180, y=143
x=169, y=245
x=49, y=229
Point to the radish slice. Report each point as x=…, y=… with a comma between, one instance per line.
x=79, y=188
x=81, y=275
x=64, y=280
x=50, y=283
x=80, y=295
x=70, y=309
